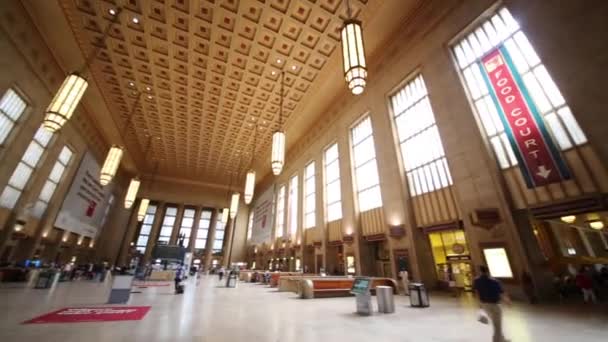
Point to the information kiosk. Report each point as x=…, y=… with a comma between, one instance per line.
x=361, y=289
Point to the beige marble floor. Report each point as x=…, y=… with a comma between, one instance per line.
x=211, y=313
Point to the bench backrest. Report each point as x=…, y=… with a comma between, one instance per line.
x=332, y=284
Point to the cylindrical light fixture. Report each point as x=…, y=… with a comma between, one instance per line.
x=143, y=208
x=249, y=186
x=355, y=69
x=108, y=170
x=234, y=204
x=132, y=192
x=225, y=213
x=568, y=218
x=64, y=103
x=278, y=152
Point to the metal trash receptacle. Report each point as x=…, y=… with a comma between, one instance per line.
x=46, y=279
x=386, y=300
x=121, y=289
x=231, y=280
x=419, y=298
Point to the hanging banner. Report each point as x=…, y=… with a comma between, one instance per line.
x=263, y=217
x=85, y=206
x=539, y=160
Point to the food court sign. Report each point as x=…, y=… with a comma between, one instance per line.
x=539, y=159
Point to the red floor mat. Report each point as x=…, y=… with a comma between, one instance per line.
x=93, y=314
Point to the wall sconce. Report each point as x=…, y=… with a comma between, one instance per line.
x=45, y=234
x=397, y=231
x=19, y=225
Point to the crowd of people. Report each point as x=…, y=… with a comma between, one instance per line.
x=588, y=282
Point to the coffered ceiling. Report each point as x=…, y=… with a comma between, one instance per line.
x=209, y=71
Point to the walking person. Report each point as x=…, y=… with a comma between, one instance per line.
x=490, y=293
x=405, y=278
x=585, y=283
x=221, y=273
x=179, y=273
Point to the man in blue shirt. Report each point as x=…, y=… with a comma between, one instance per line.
x=490, y=292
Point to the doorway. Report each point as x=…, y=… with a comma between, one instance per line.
x=452, y=259
x=319, y=263
x=375, y=259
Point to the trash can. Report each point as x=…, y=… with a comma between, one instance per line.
x=121, y=289
x=386, y=301
x=231, y=280
x=419, y=298
x=45, y=279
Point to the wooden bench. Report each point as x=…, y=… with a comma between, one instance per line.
x=274, y=277
x=325, y=288
x=293, y=283
x=245, y=275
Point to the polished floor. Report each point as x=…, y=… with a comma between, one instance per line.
x=211, y=313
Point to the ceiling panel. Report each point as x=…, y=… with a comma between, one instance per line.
x=209, y=71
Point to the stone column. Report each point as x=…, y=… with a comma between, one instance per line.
x=320, y=214
x=195, y=225
x=132, y=227
x=227, y=245
x=177, y=225
x=350, y=215
x=210, y=237
x=155, y=231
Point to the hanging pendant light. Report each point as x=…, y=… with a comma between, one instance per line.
x=234, y=204
x=132, y=192
x=143, y=208
x=249, y=186
x=70, y=93
x=143, y=205
x=250, y=178
x=108, y=170
x=355, y=68
x=135, y=182
x=278, y=152
x=225, y=213
x=64, y=103
x=278, y=140
x=112, y=162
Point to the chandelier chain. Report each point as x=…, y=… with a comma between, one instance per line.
x=255, y=139
x=91, y=57
x=281, y=100
x=349, y=12
x=131, y=116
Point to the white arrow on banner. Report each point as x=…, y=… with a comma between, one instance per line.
x=543, y=171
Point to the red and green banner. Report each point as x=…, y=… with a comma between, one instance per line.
x=539, y=159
